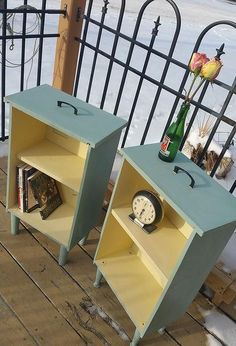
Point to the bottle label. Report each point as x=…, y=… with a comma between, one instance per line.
x=164, y=145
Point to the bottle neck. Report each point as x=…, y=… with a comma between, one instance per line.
x=181, y=116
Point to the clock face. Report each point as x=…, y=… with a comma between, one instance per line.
x=147, y=207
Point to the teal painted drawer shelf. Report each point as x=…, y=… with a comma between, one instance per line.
x=156, y=276
x=76, y=150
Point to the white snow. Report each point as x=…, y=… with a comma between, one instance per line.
x=195, y=139
x=3, y=149
x=212, y=341
x=220, y=325
x=195, y=16
x=94, y=310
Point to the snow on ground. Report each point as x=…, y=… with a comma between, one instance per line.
x=219, y=325
x=196, y=15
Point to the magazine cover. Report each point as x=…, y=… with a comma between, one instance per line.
x=45, y=192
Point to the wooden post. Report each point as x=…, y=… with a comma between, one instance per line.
x=67, y=48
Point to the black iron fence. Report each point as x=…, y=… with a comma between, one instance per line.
x=15, y=34
x=107, y=47
x=93, y=48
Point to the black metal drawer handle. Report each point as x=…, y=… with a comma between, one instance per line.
x=177, y=169
x=59, y=103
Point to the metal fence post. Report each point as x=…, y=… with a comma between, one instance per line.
x=67, y=47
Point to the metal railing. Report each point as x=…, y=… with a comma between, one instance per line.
x=22, y=35
x=95, y=49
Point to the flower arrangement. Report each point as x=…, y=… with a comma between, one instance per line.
x=207, y=69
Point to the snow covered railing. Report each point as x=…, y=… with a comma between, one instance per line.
x=105, y=39
x=134, y=68
x=20, y=25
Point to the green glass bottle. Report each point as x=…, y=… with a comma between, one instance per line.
x=174, y=135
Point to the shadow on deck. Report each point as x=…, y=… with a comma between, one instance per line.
x=42, y=303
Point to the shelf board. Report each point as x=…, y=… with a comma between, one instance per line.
x=133, y=284
x=57, y=226
x=55, y=161
x=162, y=247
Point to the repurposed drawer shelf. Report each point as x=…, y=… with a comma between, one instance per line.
x=72, y=142
x=156, y=276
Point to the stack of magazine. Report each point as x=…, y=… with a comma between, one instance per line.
x=36, y=190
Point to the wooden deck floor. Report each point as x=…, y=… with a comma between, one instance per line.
x=42, y=303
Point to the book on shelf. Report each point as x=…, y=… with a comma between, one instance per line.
x=29, y=202
x=45, y=192
x=20, y=185
x=25, y=198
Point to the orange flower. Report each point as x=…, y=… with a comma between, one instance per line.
x=197, y=61
x=211, y=69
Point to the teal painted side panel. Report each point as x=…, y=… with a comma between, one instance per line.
x=98, y=170
x=92, y=125
x=190, y=273
x=206, y=207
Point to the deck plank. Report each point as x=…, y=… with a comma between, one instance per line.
x=59, y=288
x=80, y=266
x=229, y=309
x=186, y=331
x=32, y=308
x=214, y=320
x=3, y=163
x=70, y=293
x=11, y=329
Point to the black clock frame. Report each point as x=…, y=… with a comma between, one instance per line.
x=157, y=204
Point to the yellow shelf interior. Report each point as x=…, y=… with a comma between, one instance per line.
x=130, y=181
x=133, y=284
x=129, y=273
x=56, y=226
x=162, y=247
x=56, y=162
x=138, y=266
